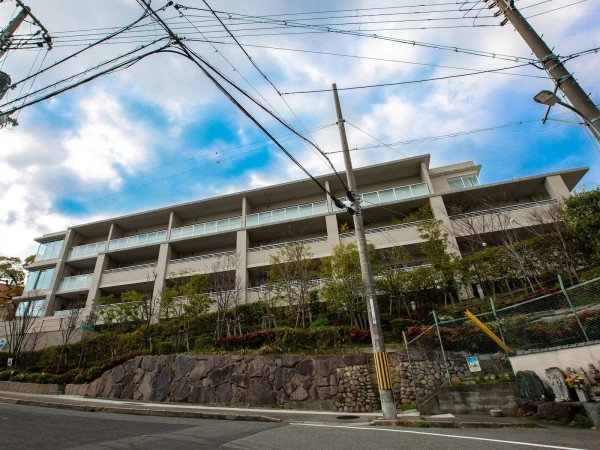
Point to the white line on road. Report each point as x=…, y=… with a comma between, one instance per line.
x=438, y=434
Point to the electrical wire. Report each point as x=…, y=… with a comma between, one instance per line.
x=447, y=77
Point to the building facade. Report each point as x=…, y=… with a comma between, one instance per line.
x=74, y=267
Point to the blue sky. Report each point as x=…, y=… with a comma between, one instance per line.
x=151, y=135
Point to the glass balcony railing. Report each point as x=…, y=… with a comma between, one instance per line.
x=85, y=251
x=284, y=214
x=200, y=229
x=138, y=240
x=391, y=195
x=76, y=282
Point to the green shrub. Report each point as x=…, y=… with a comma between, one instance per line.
x=166, y=348
x=399, y=325
x=204, y=343
x=320, y=322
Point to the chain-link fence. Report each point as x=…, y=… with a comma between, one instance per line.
x=436, y=352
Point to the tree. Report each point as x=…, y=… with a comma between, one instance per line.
x=68, y=325
x=290, y=272
x=393, y=261
x=583, y=213
x=342, y=269
x=225, y=287
x=13, y=274
x=18, y=321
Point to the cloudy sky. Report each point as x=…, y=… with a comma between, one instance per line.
x=159, y=132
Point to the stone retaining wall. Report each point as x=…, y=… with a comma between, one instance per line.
x=478, y=398
x=289, y=381
x=31, y=388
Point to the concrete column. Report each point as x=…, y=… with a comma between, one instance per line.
x=333, y=233
x=174, y=222
x=164, y=255
x=424, y=172
x=115, y=232
x=246, y=209
x=58, y=273
x=241, y=246
x=328, y=198
x=94, y=292
x=556, y=187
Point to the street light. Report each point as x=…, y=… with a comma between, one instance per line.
x=549, y=98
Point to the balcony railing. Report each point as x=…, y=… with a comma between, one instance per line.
x=385, y=228
x=391, y=195
x=85, y=251
x=138, y=240
x=125, y=269
x=200, y=257
x=201, y=229
x=504, y=209
x=68, y=312
x=285, y=214
x=76, y=282
x=283, y=244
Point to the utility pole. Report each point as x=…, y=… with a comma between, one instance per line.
x=7, y=34
x=388, y=406
x=563, y=79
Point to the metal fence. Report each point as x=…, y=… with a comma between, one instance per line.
x=567, y=317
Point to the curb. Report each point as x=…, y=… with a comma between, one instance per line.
x=139, y=411
x=444, y=424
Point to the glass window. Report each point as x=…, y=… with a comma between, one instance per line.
x=49, y=250
x=387, y=196
x=419, y=189
x=467, y=181
x=31, y=309
x=39, y=279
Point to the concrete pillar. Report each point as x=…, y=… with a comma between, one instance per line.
x=424, y=172
x=164, y=255
x=94, y=292
x=556, y=187
x=246, y=209
x=241, y=246
x=174, y=222
x=58, y=273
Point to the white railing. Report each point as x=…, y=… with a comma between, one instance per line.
x=283, y=244
x=84, y=251
x=538, y=204
x=264, y=287
x=285, y=214
x=68, y=312
x=201, y=257
x=390, y=195
x=385, y=228
x=138, y=240
x=76, y=282
x=201, y=229
x=125, y=269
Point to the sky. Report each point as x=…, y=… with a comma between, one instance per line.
x=159, y=132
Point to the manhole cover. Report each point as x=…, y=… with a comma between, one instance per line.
x=347, y=417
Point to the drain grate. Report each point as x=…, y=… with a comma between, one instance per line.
x=347, y=417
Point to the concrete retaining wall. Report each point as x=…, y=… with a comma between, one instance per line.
x=31, y=388
x=478, y=398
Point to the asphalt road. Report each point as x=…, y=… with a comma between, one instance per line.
x=26, y=427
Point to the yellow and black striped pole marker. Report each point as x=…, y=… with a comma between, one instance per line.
x=384, y=380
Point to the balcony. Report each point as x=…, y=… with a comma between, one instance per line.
x=201, y=257
x=138, y=240
x=505, y=209
x=128, y=268
x=286, y=214
x=75, y=283
x=258, y=256
x=197, y=264
x=391, y=195
x=68, y=313
x=283, y=244
x=86, y=251
x=201, y=229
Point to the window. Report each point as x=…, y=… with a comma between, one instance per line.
x=48, y=250
x=459, y=183
x=30, y=309
x=39, y=279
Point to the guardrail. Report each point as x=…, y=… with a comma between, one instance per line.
x=385, y=228
x=128, y=268
x=538, y=204
x=76, y=282
x=201, y=257
x=283, y=244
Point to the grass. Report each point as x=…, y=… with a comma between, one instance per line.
x=532, y=425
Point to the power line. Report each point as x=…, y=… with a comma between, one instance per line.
x=479, y=72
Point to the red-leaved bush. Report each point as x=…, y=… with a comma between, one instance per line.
x=360, y=336
x=252, y=340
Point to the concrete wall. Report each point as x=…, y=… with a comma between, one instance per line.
x=478, y=398
x=574, y=357
x=30, y=388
